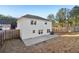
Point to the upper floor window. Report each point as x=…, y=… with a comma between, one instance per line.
x=45, y=22
x=33, y=22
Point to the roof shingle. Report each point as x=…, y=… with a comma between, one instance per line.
x=34, y=17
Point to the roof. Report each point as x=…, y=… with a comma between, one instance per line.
x=4, y=21
x=34, y=17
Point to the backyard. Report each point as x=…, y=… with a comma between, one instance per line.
x=56, y=45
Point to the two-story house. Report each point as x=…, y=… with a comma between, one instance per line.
x=33, y=26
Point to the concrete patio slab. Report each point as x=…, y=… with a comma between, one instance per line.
x=32, y=41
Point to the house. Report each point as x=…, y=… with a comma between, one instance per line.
x=33, y=26
x=4, y=25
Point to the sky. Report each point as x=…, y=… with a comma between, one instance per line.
x=39, y=10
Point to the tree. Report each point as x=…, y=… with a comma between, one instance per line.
x=74, y=13
x=51, y=17
x=63, y=15
x=10, y=20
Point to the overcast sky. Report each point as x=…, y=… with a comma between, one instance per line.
x=40, y=10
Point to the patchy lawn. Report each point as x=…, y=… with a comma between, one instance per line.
x=59, y=44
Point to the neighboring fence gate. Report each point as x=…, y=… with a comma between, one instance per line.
x=8, y=34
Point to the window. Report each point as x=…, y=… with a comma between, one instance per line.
x=48, y=30
x=40, y=31
x=33, y=31
x=45, y=22
x=33, y=22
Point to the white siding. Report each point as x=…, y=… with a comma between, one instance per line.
x=26, y=28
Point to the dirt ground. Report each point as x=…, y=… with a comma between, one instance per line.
x=55, y=45
x=67, y=33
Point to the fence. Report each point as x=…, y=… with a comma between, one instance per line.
x=66, y=29
x=8, y=34
x=63, y=29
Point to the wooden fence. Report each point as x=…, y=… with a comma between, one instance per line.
x=63, y=29
x=66, y=29
x=8, y=34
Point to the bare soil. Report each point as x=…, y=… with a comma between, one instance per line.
x=67, y=33
x=55, y=45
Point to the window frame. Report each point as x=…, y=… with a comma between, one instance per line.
x=45, y=23
x=40, y=31
x=33, y=22
x=33, y=31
